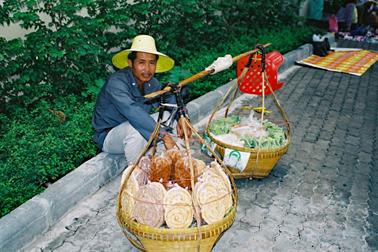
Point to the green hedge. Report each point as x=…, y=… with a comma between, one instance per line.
x=40, y=146
x=50, y=79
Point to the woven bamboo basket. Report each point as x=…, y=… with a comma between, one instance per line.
x=261, y=161
x=200, y=237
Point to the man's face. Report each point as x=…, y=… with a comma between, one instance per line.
x=143, y=67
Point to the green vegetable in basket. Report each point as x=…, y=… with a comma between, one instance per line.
x=275, y=137
x=223, y=125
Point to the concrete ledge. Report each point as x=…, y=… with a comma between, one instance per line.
x=299, y=54
x=36, y=216
x=23, y=224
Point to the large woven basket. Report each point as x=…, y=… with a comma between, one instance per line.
x=195, y=238
x=261, y=161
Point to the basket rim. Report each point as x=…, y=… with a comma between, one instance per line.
x=251, y=150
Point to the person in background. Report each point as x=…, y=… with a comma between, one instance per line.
x=315, y=9
x=369, y=15
x=347, y=16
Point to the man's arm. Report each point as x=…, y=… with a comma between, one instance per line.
x=140, y=119
x=132, y=111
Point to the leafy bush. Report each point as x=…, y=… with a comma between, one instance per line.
x=49, y=80
x=40, y=146
x=64, y=55
x=185, y=27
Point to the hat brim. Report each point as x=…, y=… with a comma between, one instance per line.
x=164, y=63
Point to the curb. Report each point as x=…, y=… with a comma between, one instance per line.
x=24, y=224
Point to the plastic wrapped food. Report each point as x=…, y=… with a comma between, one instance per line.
x=250, y=135
x=128, y=195
x=148, y=209
x=182, y=171
x=145, y=164
x=160, y=170
x=213, y=194
x=223, y=125
x=275, y=137
x=256, y=131
x=174, y=154
x=178, y=209
x=229, y=138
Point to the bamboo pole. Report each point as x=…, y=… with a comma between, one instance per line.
x=200, y=75
x=197, y=211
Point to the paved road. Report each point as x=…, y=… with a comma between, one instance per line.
x=321, y=196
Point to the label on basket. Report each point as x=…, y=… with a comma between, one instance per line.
x=236, y=159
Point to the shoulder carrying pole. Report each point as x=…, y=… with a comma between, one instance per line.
x=199, y=75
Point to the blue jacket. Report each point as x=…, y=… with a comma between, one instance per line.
x=120, y=100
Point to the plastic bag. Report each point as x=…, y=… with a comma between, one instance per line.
x=229, y=139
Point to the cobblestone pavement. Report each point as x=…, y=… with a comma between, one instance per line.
x=321, y=196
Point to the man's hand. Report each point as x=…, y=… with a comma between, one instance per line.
x=180, y=128
x=169, y=143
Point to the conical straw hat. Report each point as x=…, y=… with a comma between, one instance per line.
x=143, y=43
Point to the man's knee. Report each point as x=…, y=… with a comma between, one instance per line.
x=133, y=146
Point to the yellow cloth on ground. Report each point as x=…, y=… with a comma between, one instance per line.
x=352, y=62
